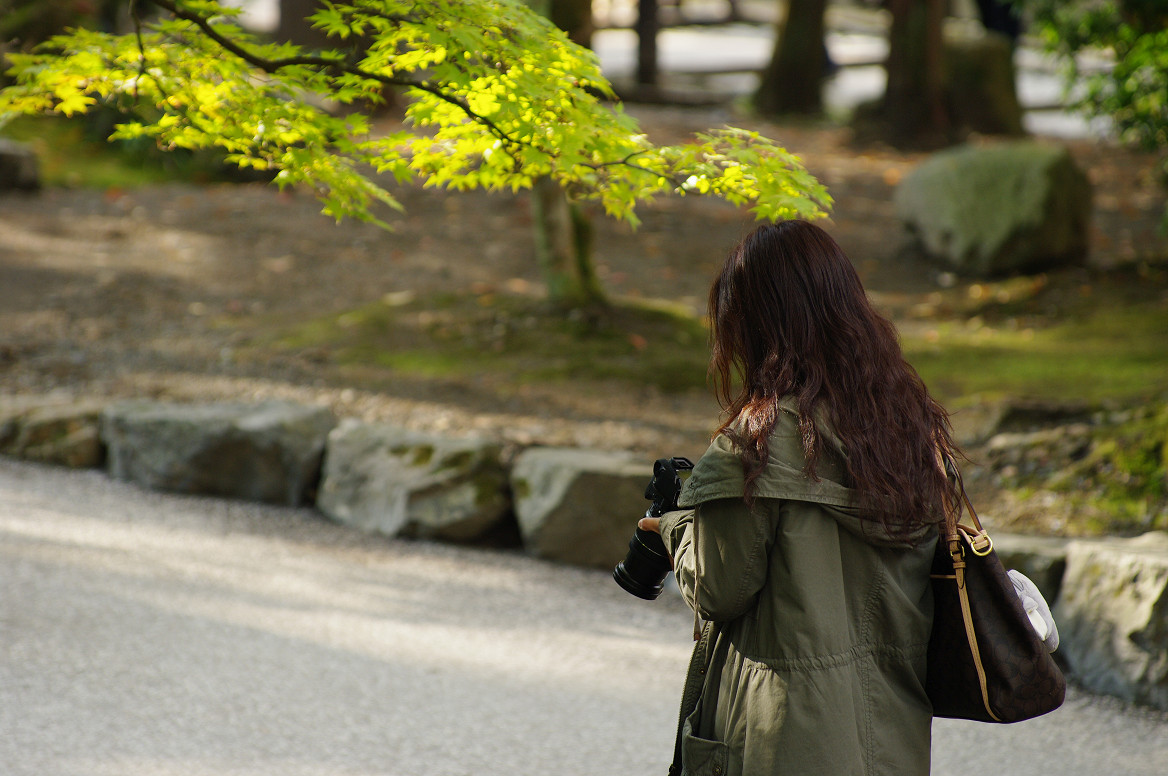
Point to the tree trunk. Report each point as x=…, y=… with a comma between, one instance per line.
x=294, y=26
x=563, y=231
x=913, y=108
x=563, y=248
x=575, y=18
x=791, y=82
x=647, y=29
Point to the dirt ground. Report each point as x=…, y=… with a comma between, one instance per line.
x=161, y=291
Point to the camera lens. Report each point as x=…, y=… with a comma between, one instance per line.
x=645, y=567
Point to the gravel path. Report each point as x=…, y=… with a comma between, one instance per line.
x=156, y=635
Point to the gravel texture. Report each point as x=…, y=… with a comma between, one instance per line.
x=157, y=635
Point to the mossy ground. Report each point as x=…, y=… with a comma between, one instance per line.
x=1064, y=337
x=1050, y=337
x=1070, y=336
x=1120, y=485
x=513, y=340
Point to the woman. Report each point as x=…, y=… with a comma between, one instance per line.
x=810, y=526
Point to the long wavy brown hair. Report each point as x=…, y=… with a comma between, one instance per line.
x=789, y=317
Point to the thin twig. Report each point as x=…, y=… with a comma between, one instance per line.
x=143, y=72
x=137, y=17
x=627, y=162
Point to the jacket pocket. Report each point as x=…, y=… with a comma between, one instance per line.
x=703, y=756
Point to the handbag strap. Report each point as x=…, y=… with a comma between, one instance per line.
x=959, y=565
x=957, y=536
x=975, y=534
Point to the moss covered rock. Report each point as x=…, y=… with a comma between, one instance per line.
x=1113, y=617
x=54, y=431
x=994, y=210
x=392, y=481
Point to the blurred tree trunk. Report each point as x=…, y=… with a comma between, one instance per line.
x=25, y=23
x=648, y=25
x=563, y=247
x=792, y=81
x=913, y=108
x=575, y=18
x=563, y=230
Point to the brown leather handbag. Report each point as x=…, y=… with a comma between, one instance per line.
x=986, y=662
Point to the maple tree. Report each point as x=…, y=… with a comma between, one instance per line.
x=496, y=97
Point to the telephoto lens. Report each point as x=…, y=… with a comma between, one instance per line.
x=644, y=569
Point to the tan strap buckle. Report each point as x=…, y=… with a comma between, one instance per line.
x=981, y=544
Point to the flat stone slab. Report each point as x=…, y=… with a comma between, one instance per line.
x=579, y=506
x=1043, y=559
x=267, y=452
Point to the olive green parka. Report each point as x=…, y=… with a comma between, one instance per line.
x=812, y=659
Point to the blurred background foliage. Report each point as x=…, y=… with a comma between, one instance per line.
x=1133, y=91
x=76, y=151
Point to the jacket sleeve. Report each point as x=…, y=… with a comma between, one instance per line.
x=731, y=552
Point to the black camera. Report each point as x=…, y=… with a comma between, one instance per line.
x=644, y=569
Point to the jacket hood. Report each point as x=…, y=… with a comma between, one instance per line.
x=719, y=474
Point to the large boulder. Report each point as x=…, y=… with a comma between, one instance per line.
x=1041, y=558
x=579, y=506
x=997, y=209
x=55, y=431
x=18, y=166
x=261, y=452
x=1112, y=616
x=393, y=481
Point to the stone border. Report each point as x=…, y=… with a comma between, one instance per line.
x=574, y=506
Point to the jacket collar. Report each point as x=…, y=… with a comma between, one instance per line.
x=719, y=474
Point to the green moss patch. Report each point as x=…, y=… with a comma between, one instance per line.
x=513, y=339
x=1086, y=342
x=1122, y=482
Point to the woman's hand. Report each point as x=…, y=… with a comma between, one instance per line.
x=653, y=524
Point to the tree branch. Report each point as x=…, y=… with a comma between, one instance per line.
x=627, y=162
x=272, y=66
x=338, y=65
